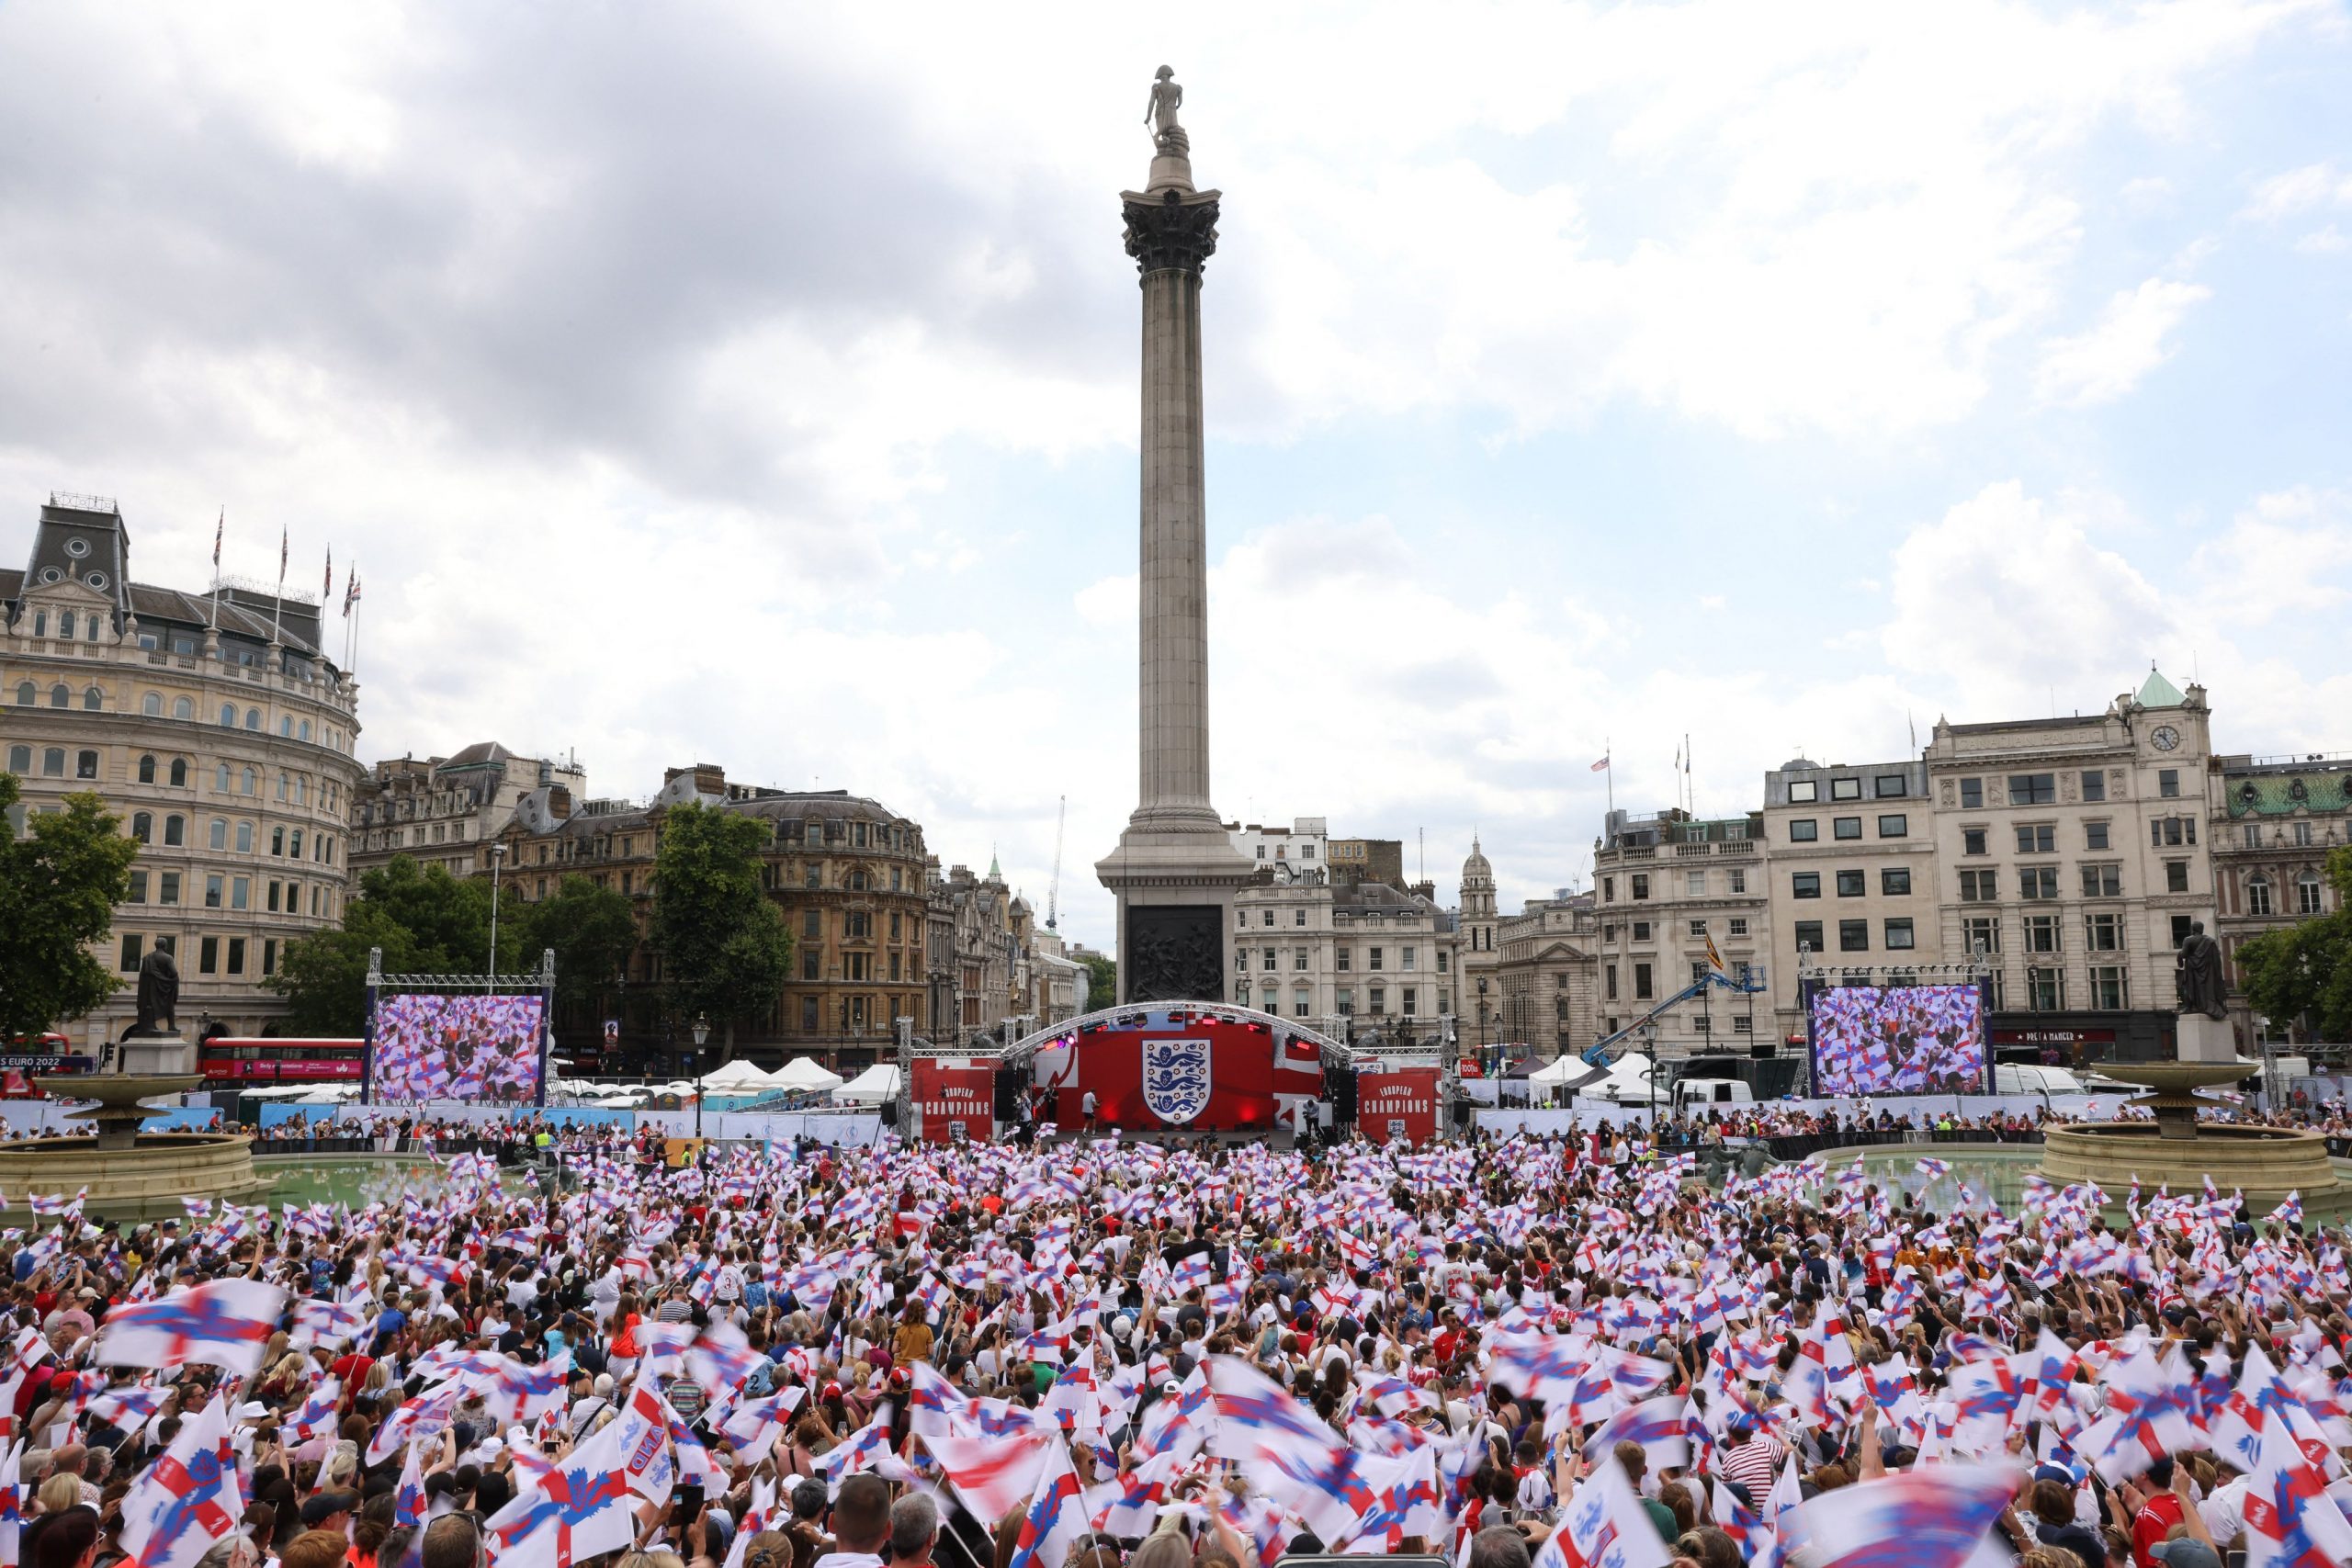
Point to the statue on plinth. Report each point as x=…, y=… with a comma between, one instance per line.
x=1167, y=97
x=159, y=995
x=2197, y=975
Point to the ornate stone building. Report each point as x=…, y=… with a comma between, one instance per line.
x=445, y=811
x=1480, y=955
x=213, y=724
x=2074, y=852
x=2272, y=823
x=1670, y=883
x=1854, y=886
x=1546, y=977
x=1342, y=954
x=848, y=873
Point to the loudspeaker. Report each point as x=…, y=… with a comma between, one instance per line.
x=1461, y=1114
x=1761, y=1051
x=1008, y=1094
x=889, y=1114
x=1341, y=1091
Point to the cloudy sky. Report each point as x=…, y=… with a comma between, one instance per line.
x=755, y=384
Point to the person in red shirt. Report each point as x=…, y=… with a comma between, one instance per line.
x=2156, y=1509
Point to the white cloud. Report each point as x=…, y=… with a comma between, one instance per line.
x=2298, y=191
x=2128, y=342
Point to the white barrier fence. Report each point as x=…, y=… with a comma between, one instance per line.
x=1924, y=1112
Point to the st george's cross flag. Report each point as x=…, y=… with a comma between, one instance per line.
x=188, y=1499
x=1934, y=1517
x=579, y=1510
x=1604, y=1526
x=1056, y=1516
x=221, y=1323
x=2290, y=1522
x=992, y=1476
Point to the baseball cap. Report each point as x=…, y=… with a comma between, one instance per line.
x=2185, y=1552
x=326, y=1505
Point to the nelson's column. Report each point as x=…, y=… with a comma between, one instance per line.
x=1175, y=871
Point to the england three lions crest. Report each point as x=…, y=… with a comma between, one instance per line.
x=1176, y=1078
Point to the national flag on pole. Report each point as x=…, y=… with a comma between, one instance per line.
x=579, y=1510
x=327, y=591
x=1056, y=1516
x=220, y=528
x=1604, y=1526
x=222, y=1323
x=1601, y=766
x=1935, y=1517
x=350, y=590
x=1715, y=959
x=189, y=1499
x=285, y=553
x=2291, y=1521
x=991, y=1475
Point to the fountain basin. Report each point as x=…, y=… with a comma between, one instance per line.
x=144, y=1182
x=2265, y=1163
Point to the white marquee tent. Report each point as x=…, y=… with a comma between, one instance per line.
x=872, y=1087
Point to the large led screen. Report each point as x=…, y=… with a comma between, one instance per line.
x=463, y=1047
x=1898, y=1040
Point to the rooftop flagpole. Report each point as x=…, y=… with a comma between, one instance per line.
x=278, y=614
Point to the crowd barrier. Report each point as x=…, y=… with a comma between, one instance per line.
x=1928, y=1110
x=840, y=1129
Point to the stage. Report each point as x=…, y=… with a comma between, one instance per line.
x=1174, y=1071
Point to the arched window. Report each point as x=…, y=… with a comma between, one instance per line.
x=278, y=842
x=146, y=770
x=246, y=784
x=220, y=780
x=183, y=708
x=302, y=791
x=151, y=704
x=253, y=718
x=286, y=726
x=2307, y=893
x=245, y=838
x=142, y=827
x=2257, y=895
x=179, y=772
x=60, y=696
x=175, y=832
x=306, y=729
x=228, y=715
x=26, y=696
x=283, y=784
x=93, y=699
x=65, y=626
x=86, y=765
x=52, y=762
x=220, y=838
x=20, y=760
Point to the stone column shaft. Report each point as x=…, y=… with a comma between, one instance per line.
x=1173, y=764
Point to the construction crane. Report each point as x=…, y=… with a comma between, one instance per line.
x=1054, y=889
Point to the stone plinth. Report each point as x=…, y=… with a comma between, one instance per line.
x=2203, y=1039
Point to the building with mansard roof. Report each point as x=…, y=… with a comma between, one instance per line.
x=215, y=724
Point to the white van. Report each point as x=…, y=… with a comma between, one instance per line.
x=1698, y=1094
x=2023, y=1077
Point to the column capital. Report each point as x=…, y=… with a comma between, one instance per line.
x=1170, y=231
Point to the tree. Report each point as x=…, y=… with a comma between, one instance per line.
x=723, y=944
x=60, y=881
x=2303, y=974
x=427, y=922
x=1102, y=981
x=591, y=930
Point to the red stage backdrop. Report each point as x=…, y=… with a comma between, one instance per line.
x=1207, y=1075
x=946, y=1094
x=1398, y=1103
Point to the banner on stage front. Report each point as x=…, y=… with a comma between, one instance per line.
x=1398, y=1105
x=954, y=1100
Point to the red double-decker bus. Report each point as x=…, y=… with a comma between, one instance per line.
x=232, y=1062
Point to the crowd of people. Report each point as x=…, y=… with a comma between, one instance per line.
x=1104, y=1354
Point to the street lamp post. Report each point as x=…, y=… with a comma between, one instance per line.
x=497, y=858
x=701, y=1033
